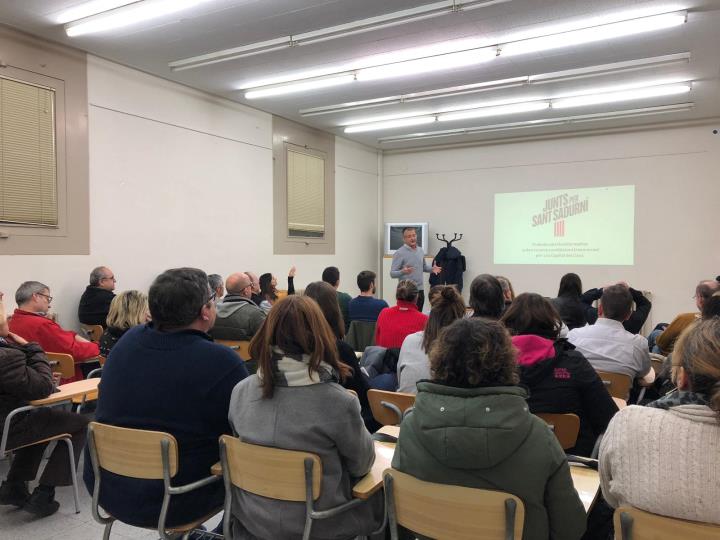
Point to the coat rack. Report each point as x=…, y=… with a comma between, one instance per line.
x=456, y=238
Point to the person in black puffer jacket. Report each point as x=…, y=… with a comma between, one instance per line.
x=558, y=377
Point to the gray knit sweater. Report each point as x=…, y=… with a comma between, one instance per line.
x=414, y=258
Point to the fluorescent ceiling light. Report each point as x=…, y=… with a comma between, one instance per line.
x=425, y=65
x=87, y=9
x=389, y=124
x=627, y=113
x=127, y=15
x=303, y=86
x=594, y=33
x=515, y=108
x=466, y=56
x=387, y=20
x=525, y=80
x=625, y=95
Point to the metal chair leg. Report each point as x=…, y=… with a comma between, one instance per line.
x=106, y=531
x=73, y=474
x=44, y=459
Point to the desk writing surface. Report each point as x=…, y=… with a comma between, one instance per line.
x=69, y=391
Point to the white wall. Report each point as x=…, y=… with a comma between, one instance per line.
x=677, y=178
x=182, y=178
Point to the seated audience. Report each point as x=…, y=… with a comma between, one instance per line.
x=607, y=345
x=331, y=275
x=573, y=312
x=486, y=297
x=559, y=379
x=365, y=307
x=446, y=306
x=95, y=301
x=26, y=375
x=269, y=291
x=635, y=320
x=471, y=427
x=128, y=309
x=216, y=284
x=31, y=322
x=256, y=296
x=324, y=294
x=168, y=375
x=508, y=291
x=665, y=341
x=663, y=458
x=294, y=402
x=238, y=317
x=395, y=323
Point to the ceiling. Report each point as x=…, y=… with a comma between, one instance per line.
x=221, y=24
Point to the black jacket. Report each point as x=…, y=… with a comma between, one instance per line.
x=94, y=305
x=559, y=379
x=572, y=311
x=637, y=318
x=25, y=374
x=452, y=263
x=358, y=382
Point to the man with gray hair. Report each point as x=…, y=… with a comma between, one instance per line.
x=95, y=301
x=216, y=284
x=238, y=317
x=31, y=322
x=256, y=296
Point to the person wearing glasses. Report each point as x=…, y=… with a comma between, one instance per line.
x=95, y=301
x=30, y=321
x=168, y=375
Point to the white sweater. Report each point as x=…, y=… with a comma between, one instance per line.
x=413, y=363
x=663, y=461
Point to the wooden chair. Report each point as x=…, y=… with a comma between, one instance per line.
x=242, y=348
x=634, y=524
x=144, y=455
x=389, y=408
x=447, y=512
x=286, y=475
x=93, y=331
x=62, y=363
x=618, y=384
x=658, y=362
x=565, y=427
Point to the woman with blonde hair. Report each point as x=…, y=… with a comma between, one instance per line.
x=663, y=458
x=127, y=309
x=295, y=402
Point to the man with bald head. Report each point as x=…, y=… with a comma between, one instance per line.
x=95, y=301
x=665, y=342
x=256, y=296
x=238, y=317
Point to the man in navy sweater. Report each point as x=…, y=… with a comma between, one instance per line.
x=168, y=375
x=366, y=307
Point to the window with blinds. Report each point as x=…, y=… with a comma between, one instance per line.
x=28, y=173
x=305, y=195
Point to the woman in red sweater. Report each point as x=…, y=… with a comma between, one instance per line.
x=395, y=323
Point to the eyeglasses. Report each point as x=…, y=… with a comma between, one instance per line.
x=49, y=298
x=109, y=277
x=212, y=298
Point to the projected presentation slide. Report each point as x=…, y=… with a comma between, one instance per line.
x=567, y=226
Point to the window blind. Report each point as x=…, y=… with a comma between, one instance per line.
x=306, y=194
x=28, y=172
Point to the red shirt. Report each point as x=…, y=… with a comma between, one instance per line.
x=395, y=323
x=51, y=337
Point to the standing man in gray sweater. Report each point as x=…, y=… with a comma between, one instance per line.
x=409, y=263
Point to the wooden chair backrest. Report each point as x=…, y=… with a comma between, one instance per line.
x=617, y=384
x=565, y=426
x=135, y=453
x=634, y=524
x=94, y=331
x=353, y=392
x=658, y=362
x=242, y=348
x=385, y=416
x=446, y=512
x=65, y=364
x=270, y=472
x=282, y=293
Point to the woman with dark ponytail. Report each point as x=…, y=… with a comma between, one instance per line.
x=663, y=458
x=446, y=306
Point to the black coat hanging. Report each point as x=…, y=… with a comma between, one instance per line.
x=452, y=263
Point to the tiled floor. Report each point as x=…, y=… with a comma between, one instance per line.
x=65, y=524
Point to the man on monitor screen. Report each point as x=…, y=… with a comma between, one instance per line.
x=409, y=263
